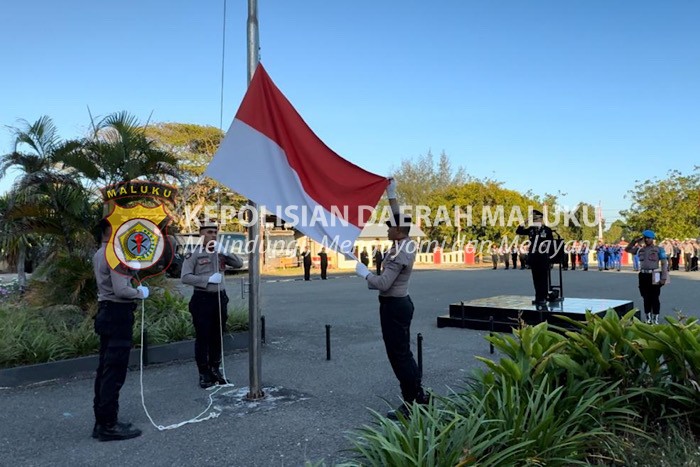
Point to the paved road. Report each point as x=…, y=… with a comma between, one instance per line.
x=316, y=401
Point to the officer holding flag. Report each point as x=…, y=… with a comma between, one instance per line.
x=395, y=305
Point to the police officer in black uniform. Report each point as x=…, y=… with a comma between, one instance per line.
x=116, y=302
x=541, y=243
x=203, y=269
x=323, y=256
x=306, y=260
x=378, y=258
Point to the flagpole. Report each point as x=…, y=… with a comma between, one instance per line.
x=254, y=341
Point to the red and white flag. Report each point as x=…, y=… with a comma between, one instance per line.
x=272, y=157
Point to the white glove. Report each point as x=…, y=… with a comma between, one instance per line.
x=391, y=189
x=215, y=278
x=144, y=291
x=361, y=270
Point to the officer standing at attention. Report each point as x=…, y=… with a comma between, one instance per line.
x=584, y=255
x=395, y=305
x=378, y=258
x=541, y=241
x=653, y=272
x=203, y=269
x=324, y=263
x=114, y=323
x=306, y=260
x=364, y=256
x=514, y=256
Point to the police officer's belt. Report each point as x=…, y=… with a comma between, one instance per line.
x=648, y=271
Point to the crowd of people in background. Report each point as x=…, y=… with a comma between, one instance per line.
x=682, y=255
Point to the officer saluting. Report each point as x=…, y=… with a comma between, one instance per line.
x=203, y=269
x=541, y=240
x=653, y=272
x=116, y=302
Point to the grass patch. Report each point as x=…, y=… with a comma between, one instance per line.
x=38, y=335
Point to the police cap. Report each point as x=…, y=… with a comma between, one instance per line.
x=208, y=225
x=649, y=234
x=399, y=220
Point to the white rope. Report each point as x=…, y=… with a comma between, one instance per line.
x=221, y=323
x=212, y=390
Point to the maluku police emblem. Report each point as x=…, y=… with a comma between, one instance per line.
x=136, y=242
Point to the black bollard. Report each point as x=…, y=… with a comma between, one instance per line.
x=328, y=341
x=461, y=307
x=491, y=333
x=420, y=354
x=262, y=329
x=144, y=361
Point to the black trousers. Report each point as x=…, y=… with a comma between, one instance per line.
x=650, y=293
x=396, y=314
x=114, y=324
x=539, y=267
x=307, y=271
x=324, y=269
x=209, y=326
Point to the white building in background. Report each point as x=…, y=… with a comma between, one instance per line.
x=371, y=237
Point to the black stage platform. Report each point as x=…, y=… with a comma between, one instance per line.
x=505, y=310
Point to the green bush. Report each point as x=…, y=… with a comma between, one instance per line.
x=64, y=279
x=37, y=335
x=560, y=397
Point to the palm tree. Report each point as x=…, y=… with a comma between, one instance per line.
x=46, y=202
x=14, y=238
x=118, y=150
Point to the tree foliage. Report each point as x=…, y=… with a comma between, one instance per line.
x=485, y=210
x=670, y=206
x=117, y=150
x=193, y=146
x=417, y=179
x=47, y=206
x=579, y=223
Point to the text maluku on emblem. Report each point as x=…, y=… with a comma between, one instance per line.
x=136, y=241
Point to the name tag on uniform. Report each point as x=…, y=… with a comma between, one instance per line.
x=203, y=261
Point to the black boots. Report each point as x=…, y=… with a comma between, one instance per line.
x=404, y=410
x=115, y=432
x=210, y=377
x=206, y=379
x=218, y=377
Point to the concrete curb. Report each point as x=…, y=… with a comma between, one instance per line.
x=183, y=350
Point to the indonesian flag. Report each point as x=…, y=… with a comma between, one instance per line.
x=272, y=157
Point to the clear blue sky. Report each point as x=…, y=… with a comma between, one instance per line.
x=580, y=96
